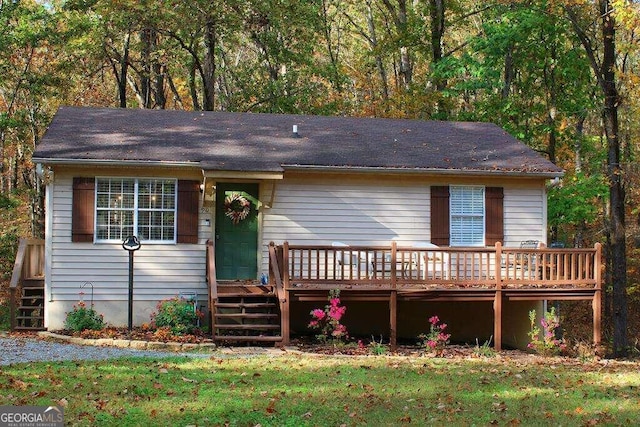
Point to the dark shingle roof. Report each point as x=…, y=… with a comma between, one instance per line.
x=264, y=142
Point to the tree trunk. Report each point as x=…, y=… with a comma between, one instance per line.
x=437, y=8
x=146, y=37
x=192, y=85
x=509, y=72
x=605, y=74
x=400, y=20
x=616, y=189
x=373, y=43
x=121, y=77
x=577, y=142
x=209, y=67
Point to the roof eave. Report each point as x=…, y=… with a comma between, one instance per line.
x=425, y=171
x=49, y=161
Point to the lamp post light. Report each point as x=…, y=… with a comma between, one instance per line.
x=131, y=244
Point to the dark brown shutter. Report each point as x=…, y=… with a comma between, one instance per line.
x=494, y=215
x=440, y=215
x=84, y=191
x=188, y=203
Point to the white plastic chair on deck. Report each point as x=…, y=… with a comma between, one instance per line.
x=351, y=262
x=434, y=265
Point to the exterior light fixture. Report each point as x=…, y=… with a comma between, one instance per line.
x=131, y=244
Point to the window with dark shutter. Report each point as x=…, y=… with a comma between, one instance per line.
x=188, y=203
x=83, y=209
x=145, y=207
x=440, y=215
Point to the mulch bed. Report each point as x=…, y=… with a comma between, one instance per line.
x=305, y=344
x=139, y=334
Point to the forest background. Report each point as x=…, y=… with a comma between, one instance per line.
x=562, y=76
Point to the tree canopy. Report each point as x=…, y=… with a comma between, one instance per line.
x=560, y=75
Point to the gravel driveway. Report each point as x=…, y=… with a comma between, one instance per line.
x=16, y=350
x=25, y=349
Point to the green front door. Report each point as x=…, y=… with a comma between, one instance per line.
x=236, y=231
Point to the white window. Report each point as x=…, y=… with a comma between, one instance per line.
x=143, y=207
x=466, y=206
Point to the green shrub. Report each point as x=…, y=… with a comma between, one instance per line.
x=177, y=314
x=544, y=341
x=5, y=320
x=82, y=318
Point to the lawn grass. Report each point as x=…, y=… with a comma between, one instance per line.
x=305, y=390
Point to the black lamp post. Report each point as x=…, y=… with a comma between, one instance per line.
x=131, y=244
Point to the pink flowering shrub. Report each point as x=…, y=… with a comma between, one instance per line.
x=544, y=341
x=436, y=340
x=327, y=320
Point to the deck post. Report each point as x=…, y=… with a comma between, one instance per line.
x=597, y=297
x=393, y=319
x=285, y=312
x=497, y=302
x=285, y=322
x=394, y=265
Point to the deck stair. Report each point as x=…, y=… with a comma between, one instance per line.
x=246, y=314
x=30, y=312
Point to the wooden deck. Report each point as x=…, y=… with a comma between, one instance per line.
x=392, y=273
x=372, y=273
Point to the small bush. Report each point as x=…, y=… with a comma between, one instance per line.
x=5, y=319
x=178, y=315
x=327, y=320
x=548, y=345
x=436, y=340
x=377, y=347
x=484, y=350
x=82, y=318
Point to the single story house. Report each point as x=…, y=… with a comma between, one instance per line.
x=207, y=193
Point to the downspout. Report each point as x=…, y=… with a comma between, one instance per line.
x=48, y=249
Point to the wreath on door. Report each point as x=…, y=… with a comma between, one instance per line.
x=236, y=207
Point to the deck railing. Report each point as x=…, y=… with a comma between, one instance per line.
x=398, y=267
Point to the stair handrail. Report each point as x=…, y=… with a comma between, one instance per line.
x=23, y=269
x=212, y=284
x=274, y=267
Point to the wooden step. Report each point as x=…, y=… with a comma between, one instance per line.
x=247, y=315
x=248, y=338
x=29, y=317
x=261, y=327
x=30, y=307
x=35, y=282
x=245, y=304
x=245, y=295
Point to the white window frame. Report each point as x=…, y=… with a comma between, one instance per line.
x=136, y=210
x=475, y=237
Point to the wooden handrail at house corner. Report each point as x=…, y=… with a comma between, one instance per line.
x=29, y=264
x=212, y=284
x=274, y=272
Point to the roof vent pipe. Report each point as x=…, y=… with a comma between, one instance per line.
x=295, y=131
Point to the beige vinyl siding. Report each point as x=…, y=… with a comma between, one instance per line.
x=160, y=270
x=524, y=214
x=355, y=212
x=358, y=211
